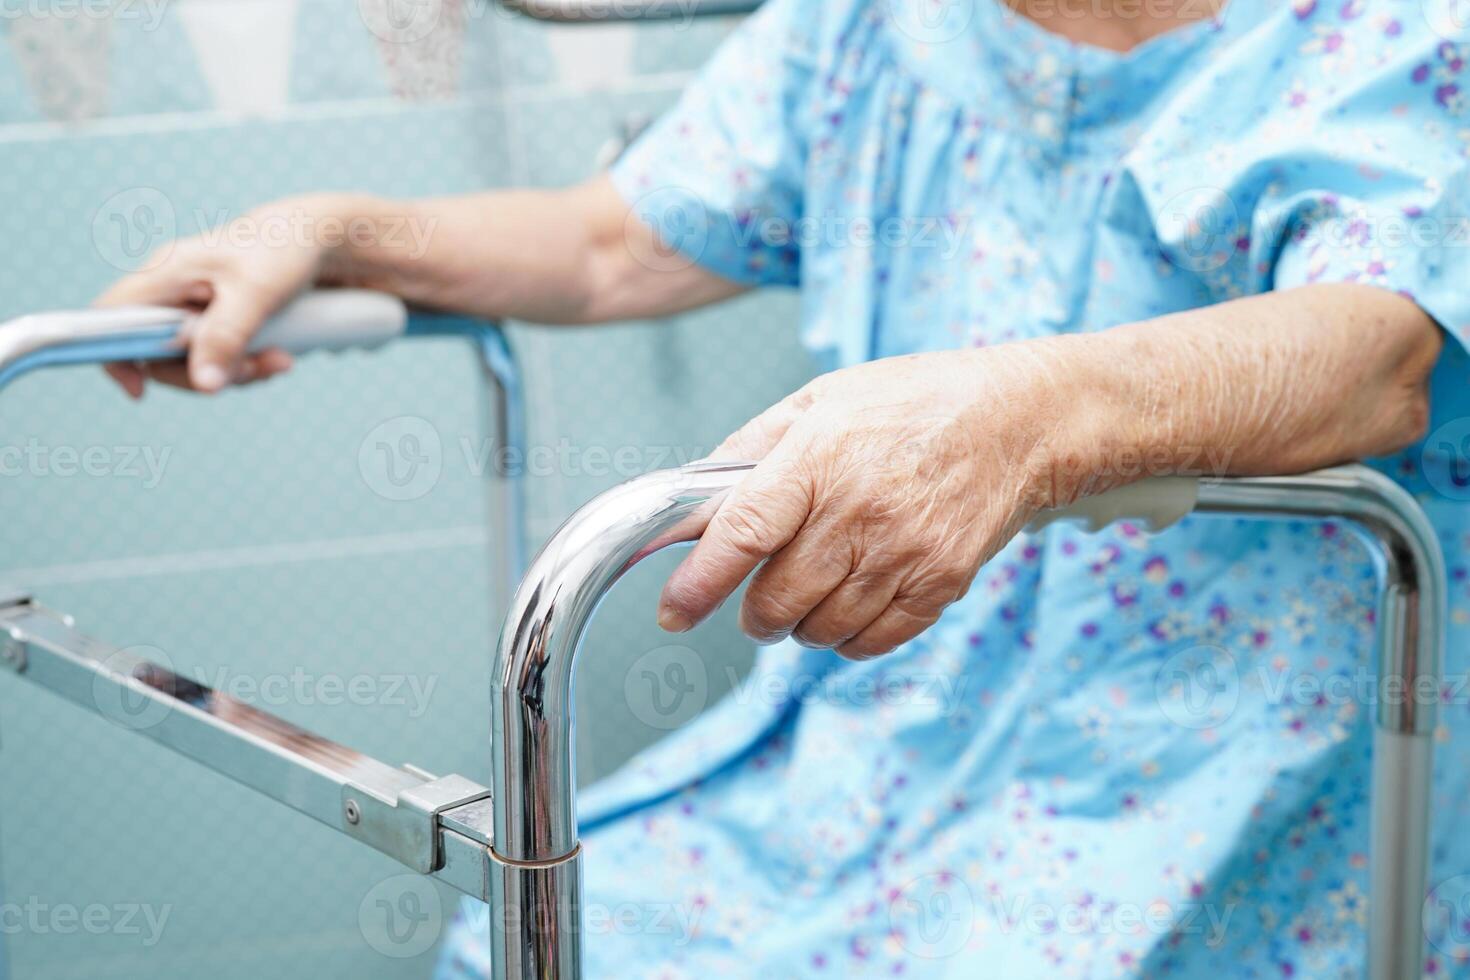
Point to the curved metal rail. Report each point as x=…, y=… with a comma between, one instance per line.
x=535, y=853
x=522, y=854
x=624, y=11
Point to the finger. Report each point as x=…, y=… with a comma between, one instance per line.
x=793, y=581
x=270, y=362
x=760, y=516
x=905, y=618
x=181, y=288
x=846, y=611
x=171, y=373
x=756, y=438
x=219, y=337
x=254, y=368
x=129, y=377
x=263, y=366
x=149, y=290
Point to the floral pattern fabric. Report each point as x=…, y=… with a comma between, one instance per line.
x=1121, y=754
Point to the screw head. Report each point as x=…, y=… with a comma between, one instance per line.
x=354, y=814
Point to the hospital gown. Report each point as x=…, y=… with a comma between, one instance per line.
x=1122, y=754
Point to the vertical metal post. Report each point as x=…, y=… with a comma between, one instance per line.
x=535, y=929
x=1409, y=668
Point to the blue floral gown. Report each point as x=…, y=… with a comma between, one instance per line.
x=1027, y=790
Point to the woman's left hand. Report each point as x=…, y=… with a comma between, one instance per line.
x=881, y=489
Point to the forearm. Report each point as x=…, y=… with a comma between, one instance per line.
x=557, y=256
x=1276, y=383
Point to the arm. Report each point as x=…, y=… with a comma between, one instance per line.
x=567, y=256
x=883, y=488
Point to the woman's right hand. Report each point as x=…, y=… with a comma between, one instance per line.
x=235, y=277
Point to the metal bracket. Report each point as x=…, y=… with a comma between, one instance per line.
x=407, y=827
x=13, y=653
x=434, y=825
x=12, y=643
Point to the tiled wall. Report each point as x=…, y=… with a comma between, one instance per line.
x=257, y=549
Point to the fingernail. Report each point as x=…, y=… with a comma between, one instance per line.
x=673, y=621
x=210, y=377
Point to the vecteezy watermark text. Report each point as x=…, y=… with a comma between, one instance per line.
x=35, y=458
x=37, y=917
x=147, y=12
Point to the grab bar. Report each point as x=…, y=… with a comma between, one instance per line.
x=317, y=320
x=433, y=825
x=515, y=845
x=622, y=11
x=535, y=851
x=420, y=820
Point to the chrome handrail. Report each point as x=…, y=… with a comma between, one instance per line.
x=515, y=845
x=624, y=11
x=535, y=850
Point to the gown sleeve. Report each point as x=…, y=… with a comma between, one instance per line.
x=1328, y=145
x=719, y=177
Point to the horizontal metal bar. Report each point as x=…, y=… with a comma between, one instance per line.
x=398, y=811
x=618, y=11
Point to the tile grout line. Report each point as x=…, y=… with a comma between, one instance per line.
x=505, y=100
x=248, y=556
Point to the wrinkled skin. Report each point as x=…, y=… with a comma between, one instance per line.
x=881, y=490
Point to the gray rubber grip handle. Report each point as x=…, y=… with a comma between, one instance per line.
x=334, y=319
x=1155, y=502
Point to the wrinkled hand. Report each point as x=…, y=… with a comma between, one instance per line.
x=234, y=283
x=879, y=492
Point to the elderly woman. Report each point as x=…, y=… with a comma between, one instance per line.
x=1049, y=249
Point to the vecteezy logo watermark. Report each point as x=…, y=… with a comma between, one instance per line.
x=1199, y=228
x=304, y=228
x=933, y=916
x=402, y=21
x=666, y=687
x=38, y=918
x=402, y=916
x=942, y=692
x=405, y=457
x=402, y=458
x=1198, y=687
x=677, y=923
x=1445, y=459
x=138, y=228
x=1202, y=686
x=931, y=21
x=144, y=463
x=132, y=229
x=671, y=228
x=122, y=684
x=667, y=229
x=302, y=687
x=1450, y=19
x=1090, y=917
x=1446, y=917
